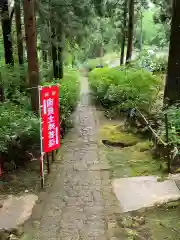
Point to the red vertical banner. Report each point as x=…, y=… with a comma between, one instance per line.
x=49, y=112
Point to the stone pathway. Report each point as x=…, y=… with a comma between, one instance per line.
x=75, y=206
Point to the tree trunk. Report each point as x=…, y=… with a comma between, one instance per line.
x=130, y=31
x=60, y=62
x=172, y=87
x=33, y=67
x=7, y=34
x=19, y=32
x=54, y=54
x=124, y=30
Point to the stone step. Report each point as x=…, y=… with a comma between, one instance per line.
x=15, y=210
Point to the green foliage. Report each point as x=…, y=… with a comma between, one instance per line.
x=151, y=62
x=173, y=113
x=19, y=127
x=126, y=88
x=17, y=124
x=152, y=34
x=14, y=83
x=69, y=91
x=92, y=63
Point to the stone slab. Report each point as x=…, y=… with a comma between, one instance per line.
x=16, y=210
x=141, y=192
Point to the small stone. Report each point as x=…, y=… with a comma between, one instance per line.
x=17, y=231
x=12, y=237
x=139, y=220
x=26, y=191
x=36, y=224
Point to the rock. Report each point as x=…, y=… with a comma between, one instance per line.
x=140, y=221
x=12, y=237
x=18, y=232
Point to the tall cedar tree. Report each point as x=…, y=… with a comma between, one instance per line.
x=33, y=67
x=172, y=87
x=6, y=22
x=124, y=31
x=19, y=32
x=130, y=31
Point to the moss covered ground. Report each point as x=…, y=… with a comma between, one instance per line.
x=157, y=223
x=134, y=160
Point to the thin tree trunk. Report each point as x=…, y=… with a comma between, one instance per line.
x=60, y=52
x=130, y=31
x=54, y=54
x=172, y=87
x=60, y=62
x=124, y=30
x=7, y=34
x=33, y=67
x=19, y=32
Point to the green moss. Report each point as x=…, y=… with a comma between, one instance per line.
x=156, y=223
x=116, y=134
x=135, y=160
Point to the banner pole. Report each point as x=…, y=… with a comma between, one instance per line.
x=42, y=154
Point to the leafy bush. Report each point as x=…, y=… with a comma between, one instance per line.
x=69, y=93
x=151, y=62
x=126, y=88
x=19, y=127
x=19, y=131
x=159, y=65
x=93, y=63
x=173, y=113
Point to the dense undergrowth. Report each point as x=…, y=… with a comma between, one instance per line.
x=117, y=89
x=139, y=85
x=19, y=127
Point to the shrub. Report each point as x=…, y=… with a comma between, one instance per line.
x=13, y=80
x=151, y=62
x=93, y=63
x=173, y=113
x=159, y=64
x=19, y=127
x=19, y=131
x=69, y=93
x=126, y=88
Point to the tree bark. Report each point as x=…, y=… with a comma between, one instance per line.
x=33, y=67
x=124, y=30
x=7, y=34
x=19, y=32
x=172, y=87
x=60, y=52
x=54, y=54
x=60, y=62
x=130, y=31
